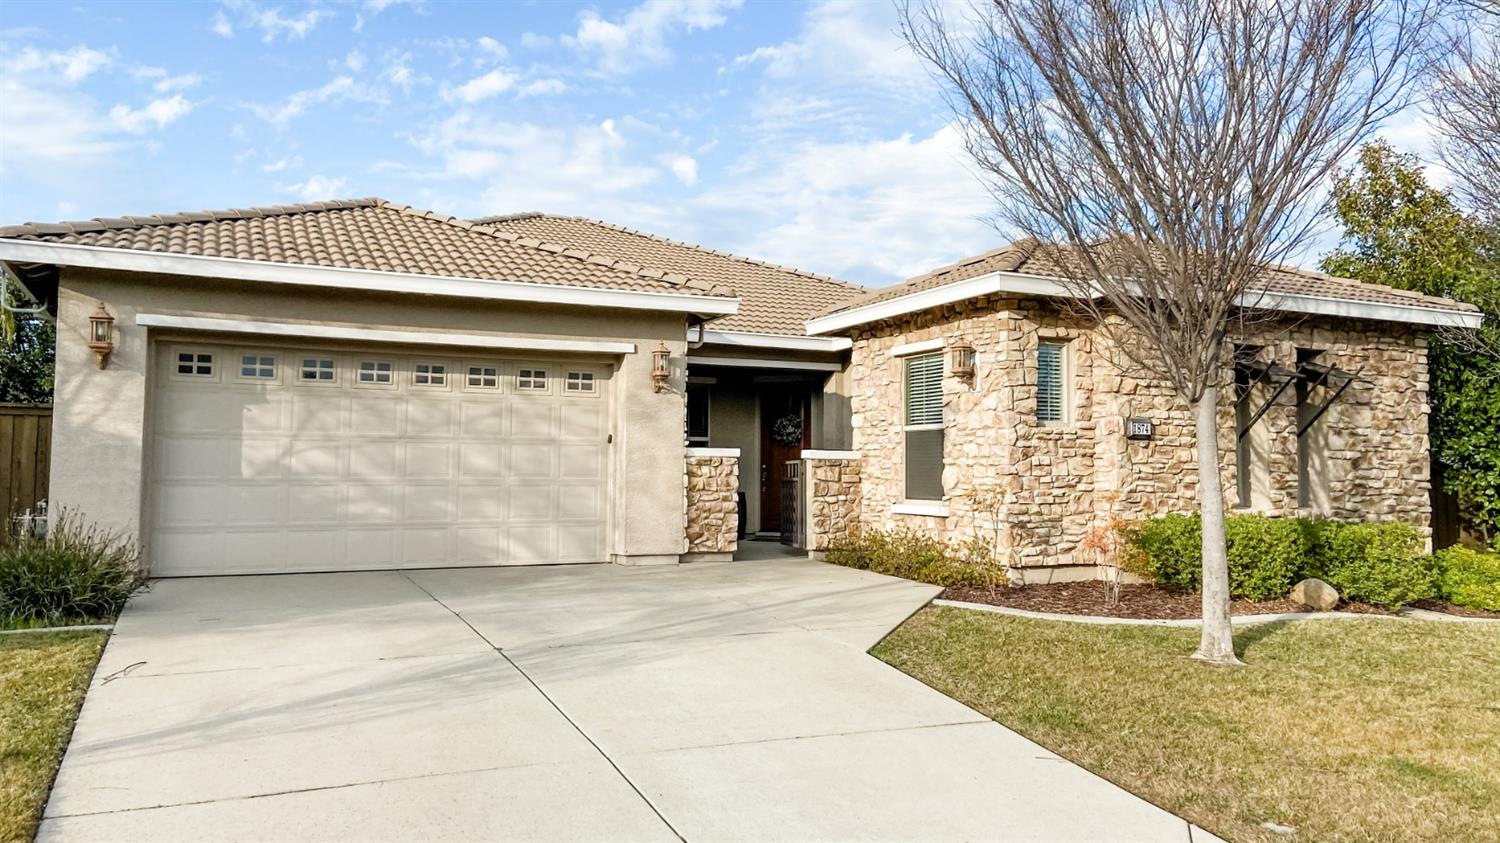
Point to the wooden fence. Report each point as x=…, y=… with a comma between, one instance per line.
x=25, y=456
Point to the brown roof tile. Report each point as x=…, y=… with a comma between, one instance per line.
x=370, y=234
x=773, y=299
x=1024, y=257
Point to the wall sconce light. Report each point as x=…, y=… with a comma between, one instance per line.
x=101, y=335
x=660, y=367
x=961, y=360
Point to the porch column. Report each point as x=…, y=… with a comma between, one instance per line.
x=713, y=485
x=831, y=498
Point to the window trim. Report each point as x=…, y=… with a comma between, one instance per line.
x=906, y=366
x=499, y=376
x=546, y=371
x=213, y=375
x=1065, y=378
x=592, y=380
x=359, y=369
x=302, y=369
x=239, y=367
x=446, y=374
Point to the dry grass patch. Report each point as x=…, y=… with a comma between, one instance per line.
x=42, y=680
x=1343, y=730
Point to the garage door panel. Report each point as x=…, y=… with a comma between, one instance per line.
x=287, y=475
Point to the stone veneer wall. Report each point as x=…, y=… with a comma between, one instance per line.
x=1059, y=483
x=833, y=500
x=713, y=484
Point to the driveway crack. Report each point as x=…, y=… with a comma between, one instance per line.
x=558, y=708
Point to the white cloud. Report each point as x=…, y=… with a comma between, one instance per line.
x=685, y=169
x=491, y=46
x=640, y=37
x=340, y=89
x=483, y=87
x=281, y=164
x=843, y=42
x=164, y=82
x=355, y=60
x=533, y=41
x=371, y=8
x=399, y=75
x=271, y=23
x=318, y=187
x=74, y=65
x=541, y=87
x=159, y=113
x=50, y=129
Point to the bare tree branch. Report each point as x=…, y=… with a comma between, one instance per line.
x=1466, y=103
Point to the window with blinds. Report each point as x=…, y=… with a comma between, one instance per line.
x=1051, y=382
x=924, y=427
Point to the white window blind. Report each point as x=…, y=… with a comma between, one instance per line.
x=924, y=390
x=1051, y=386
x=924, y=428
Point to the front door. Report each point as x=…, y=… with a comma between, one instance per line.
x=785, y=430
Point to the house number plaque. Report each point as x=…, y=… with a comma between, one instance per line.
x=1140, y=429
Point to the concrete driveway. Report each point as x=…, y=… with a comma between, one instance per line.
x=701, y=702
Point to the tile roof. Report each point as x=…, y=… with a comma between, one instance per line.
x=1026, y=258
x=370, y=234
x=773, y=299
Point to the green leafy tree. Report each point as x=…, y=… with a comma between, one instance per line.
x=1401, y=231
x=27, y=343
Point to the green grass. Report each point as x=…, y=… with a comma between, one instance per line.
x=1343, y=730
x=42, y=680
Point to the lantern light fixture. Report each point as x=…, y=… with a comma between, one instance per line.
x=660, y=367
x=101, y=335
x=961, y=360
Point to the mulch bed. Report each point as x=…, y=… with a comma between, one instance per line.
x=1450, y=609
x=1136, y=601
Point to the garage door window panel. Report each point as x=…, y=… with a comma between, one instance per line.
x=377, y=374
x=482, y=377
x=430, y=376
x=192, y=364
x=531, y=380
x=321, y=371
x=580, y=383
x=256, y=368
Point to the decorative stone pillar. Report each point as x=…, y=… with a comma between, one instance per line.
x=831, y=497
x=713, y=485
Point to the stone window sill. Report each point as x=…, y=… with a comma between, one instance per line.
x=933, y=508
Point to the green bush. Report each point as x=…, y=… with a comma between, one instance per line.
x=1380, y=563
x=1468, y=577
x=75, y=574
x=1265, y=554
x=911, y=555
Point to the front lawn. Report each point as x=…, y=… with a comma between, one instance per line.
x=1342, y=729
x=42, y=680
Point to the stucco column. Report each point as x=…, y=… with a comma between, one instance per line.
x=649, y=487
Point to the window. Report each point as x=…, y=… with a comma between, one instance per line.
x=579, y=382
x=1052, y=383
x=697, y=414
x=430, y=374
x=377, y=372
x=924, y=427
x=531, y=379
x=483, y=377
x=318, y=370
x=260, y=367
x=195, y=363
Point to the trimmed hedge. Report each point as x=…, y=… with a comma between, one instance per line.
x=1469, y=578
x=1380, y=563
x=912, y=555
x=1265, y=554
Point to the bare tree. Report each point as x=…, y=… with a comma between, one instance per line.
x=1164, y=151
x=1466, y=103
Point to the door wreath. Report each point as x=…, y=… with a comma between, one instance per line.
x=787, y=430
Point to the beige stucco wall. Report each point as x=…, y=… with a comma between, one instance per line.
x=101, y=418
x=734, y=422
x=1058, y=483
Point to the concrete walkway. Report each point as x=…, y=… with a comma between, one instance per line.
x=703, y=702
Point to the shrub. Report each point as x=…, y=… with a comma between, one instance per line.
x=1468, y=577
x=76, y=573
x=912, y=555
x=1265, y=554
x=1380, y=563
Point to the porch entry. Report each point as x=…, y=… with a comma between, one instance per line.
x=785, y=429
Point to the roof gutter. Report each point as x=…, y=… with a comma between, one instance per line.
x=1036, y=285
x=786, y=342
x=132, y=260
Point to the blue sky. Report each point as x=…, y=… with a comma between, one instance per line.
x=802, y=133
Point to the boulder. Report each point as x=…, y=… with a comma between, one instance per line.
x=1315, y=594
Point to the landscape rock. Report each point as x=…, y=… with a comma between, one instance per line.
x=1315, y=594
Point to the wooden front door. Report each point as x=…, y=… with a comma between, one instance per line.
x=782, y=409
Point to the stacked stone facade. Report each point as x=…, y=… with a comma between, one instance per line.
x=833, y=500
x=713, y=484
x=1049, y=486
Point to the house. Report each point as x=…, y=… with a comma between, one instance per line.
x=362, y=385
x=1051, y=434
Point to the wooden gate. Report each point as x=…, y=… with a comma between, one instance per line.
x=791, y=503
x=25, y=456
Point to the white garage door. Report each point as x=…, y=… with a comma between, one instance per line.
x=280, y=459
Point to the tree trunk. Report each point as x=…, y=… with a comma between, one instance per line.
x=1217, y=643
